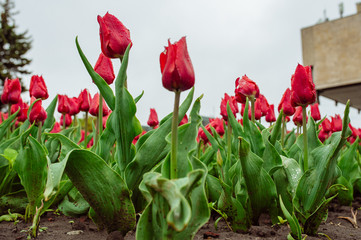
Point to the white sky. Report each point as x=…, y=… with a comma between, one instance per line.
x=226, y=39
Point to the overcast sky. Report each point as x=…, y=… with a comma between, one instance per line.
x=226, y=39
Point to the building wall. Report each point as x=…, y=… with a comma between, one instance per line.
x=334, y=50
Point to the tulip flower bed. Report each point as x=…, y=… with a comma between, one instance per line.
x=180, y=178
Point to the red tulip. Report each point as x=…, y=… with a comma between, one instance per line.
x=326, y=126
x=245, y=87
x=264, y=104
x=184, y=120
x=11, y=91
x=323, y=135
x=315, y=112
x=37, y=113
x=68, y=120
x=303, y=91
x=176, y=67
x=217, y=124
x=56, y=128
x=153, y=118
x=114, y=36
x=336, y=123
x=232, y=103
x=285, y=104
x=257, y=110
x=94, y=106
x=84, y=100
x=74, y=106
x=297, y=117
x=3, y=116
x=270, y=117
x=105, y=119
x=23, y=113
x=355, y=131
x=38, y=88
x=63, y=104
x=104, y=68
x=135, y=140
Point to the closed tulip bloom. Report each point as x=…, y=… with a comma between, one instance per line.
x=184, y=120
x=323, y=135
x=326, y=125
x=63, y=104
x=257, y=110
x=176, y=67
x=68, y=120
x=11, y=91
x=232, y=103
x=245, y=87
x=297, y=117
x=263, y=104
x=270, y=117
x=56, y=128
x=336, y=123
x=285, y=104
x=114, y=36
x=104, y=68
x=37, y=113
x=315, y=112
x=303, y=91
x=217, y=124
x=23, y=113
x=74, y=106
x=84, y=100
x=153, y=118
x=94, y=106
x=38, y=88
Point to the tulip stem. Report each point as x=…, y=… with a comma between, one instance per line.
x=305, y=140
x=125, y=81
x=39, y=131
x=173, y=155
x=9, y=113
x=252, y=109
x=64, y=121
x=283, y=131
x=86, y=130
x=229, y=143
x=100, y=114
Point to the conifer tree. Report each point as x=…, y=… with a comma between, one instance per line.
x=13, y=46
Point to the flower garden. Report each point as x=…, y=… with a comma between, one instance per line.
x=168, y=182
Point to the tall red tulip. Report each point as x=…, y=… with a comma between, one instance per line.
x=37, y=113
x=74, y=106
x=153, y=118
x=297, y=117
x=315, y=112
x=336, y=123
x=257, y=110
x=84, y=100
x=94, y=106
x=114, y=36
x=285, y=104
x=270, y=117
x=11, y=91
x=303, y=91
x=176, y=67
x=104, y=68
x=63, y=104
x=326, y=125
x=23, y=113
x=68, y=120
x=263, y=104
x=232, y=103
x=38, y=88
x=245, y=87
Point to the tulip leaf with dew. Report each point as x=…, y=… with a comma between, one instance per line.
x=260, y=186
x=151, y=151
x=102, y=85
x=127, y=126
x=31, y=166
x=292, y=220
x=252, y=134
x=4, y=126
x=67, y=145
x=172, y=196
x=315, y=182
x=102, y=188
x=50, y=120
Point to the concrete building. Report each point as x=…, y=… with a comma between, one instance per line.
x=333, y=49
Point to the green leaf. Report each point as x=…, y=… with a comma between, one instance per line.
x=4, y=126
x=102, y=188
x=49, y=121
x=292, y=221
x=102, y=85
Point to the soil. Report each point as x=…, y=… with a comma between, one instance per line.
x=67, y=228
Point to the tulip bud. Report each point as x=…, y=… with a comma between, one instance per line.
x=336, y=123
x=38, y=88
x=303, y=91
x=104, y=68
x=74, y=106
x=37, y=113
x=219, y=159
x=84, y=100
x=315, y=112
x=245, y=87
x=270, y=117
x=297, y=117
x=285, y=104
x=153, y=118
x=257, y=110
x=232, y=103
x=94, y=106
x=114, y=36
x=68, y=120
x=63, y=104
x=176, y=67
x=11, y=91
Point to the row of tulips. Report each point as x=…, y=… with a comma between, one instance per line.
x=176, y=173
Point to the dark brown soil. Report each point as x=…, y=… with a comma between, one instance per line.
x=61, y=227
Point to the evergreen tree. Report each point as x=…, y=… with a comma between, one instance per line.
x=13, y=46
